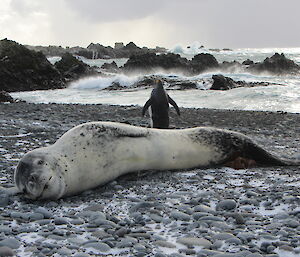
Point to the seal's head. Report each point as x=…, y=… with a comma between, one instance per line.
x=39, y=176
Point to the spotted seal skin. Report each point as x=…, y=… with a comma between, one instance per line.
x=158, y=105
x=95, y=153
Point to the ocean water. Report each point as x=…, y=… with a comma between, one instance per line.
x=282, y=97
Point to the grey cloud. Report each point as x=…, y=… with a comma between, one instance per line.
x=114, y=10
x=25, y=7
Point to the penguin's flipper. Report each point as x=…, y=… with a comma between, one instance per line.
x=146, y=106
x=172, y=102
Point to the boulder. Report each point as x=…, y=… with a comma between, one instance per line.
x=72, y=68
x=248, y=62
x=111, y=67
x=202, y=62
x=277, y=64
x=22, y=69
x=5, y=97
x=150, y=62
x=221, y=82
x=231, y=67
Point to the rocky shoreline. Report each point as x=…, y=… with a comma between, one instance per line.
x=203, y=212
x=22, y=69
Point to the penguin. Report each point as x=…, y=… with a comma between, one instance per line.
x=159, y=107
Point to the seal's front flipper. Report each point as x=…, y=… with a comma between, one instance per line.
x=9, y=190
x=172, y=102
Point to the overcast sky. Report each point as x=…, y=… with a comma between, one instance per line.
x=213, y=23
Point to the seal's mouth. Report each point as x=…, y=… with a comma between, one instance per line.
x=35, y=189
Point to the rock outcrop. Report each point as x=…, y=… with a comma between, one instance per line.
x=71, y=68
x=5, y=97
x=110, y=67
x=150, y=62
x=222, y=83
x=277, y=64
x=22, y=69
x=202, y=62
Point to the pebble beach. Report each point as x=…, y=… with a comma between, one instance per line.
x=218, y=212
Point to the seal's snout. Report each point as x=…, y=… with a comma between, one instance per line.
x=22, y=172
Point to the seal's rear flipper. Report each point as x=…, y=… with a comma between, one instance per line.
x=264, y=158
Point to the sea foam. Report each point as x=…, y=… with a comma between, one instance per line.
x=98, y=82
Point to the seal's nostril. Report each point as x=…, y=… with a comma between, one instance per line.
x=32, y=178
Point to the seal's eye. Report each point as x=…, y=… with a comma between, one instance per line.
x=40, y=162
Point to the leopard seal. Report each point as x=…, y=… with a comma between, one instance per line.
x=95, y=153
x=158, y=105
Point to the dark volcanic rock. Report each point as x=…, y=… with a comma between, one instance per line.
x=105, y=52
x=5, y=97
x=102, y=52
x=231, y=67
x=72, y=68
x=202, y=62
x=277, y=64
x=22, y=69
x=222, y=83
x=150, y=62
x=112, y=67
x=248, y=62
x=115, y=86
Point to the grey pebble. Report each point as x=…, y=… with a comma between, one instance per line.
x=164, y=244
x=76, y=241
x=204, y=208
x=64, y=251
x=222, y=236
x=121, y=232
x=140, y=235
x=61, y=221
x=226, y=205
x=56, y=237
x=102, y=247
x=180, y=216
x=43, y=222
x=47, y=214
x=246, y=236
x=194, y=241
x=210, y=218
x=34, y=216
x=11, y=243
x=4, y=200
x=234, y=241
x=6, y=251
x=5, y=229
x=100, y=222
x=81, y=255
x=77, y=221
x=198, y=215
x=292, y=223
x=126, y=242
x=156, y=218
x=140, y=247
